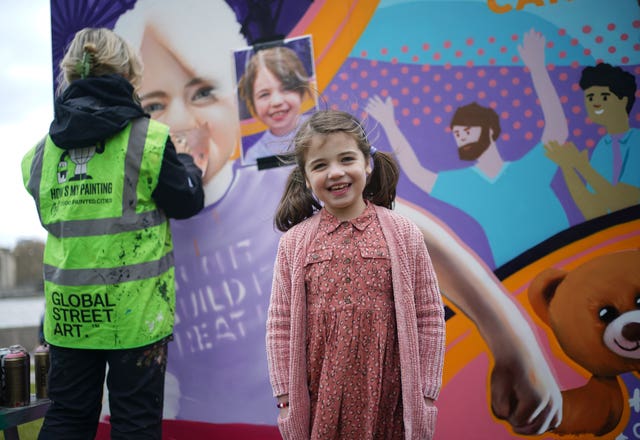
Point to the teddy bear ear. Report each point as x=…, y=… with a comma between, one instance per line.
x=542, y=289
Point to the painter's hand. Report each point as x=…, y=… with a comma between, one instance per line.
x=180, y=142
x=196, y=142
x=283, y=405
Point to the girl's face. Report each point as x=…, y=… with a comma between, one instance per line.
x=277, y=107
x=191, y=106
x=336, y=171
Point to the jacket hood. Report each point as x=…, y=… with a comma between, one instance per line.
x=92, y=110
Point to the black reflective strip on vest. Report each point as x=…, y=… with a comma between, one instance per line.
x=130, y=220
x=106, y=276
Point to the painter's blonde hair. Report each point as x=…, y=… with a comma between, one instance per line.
x=97, y=52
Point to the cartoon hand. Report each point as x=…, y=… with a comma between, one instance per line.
x=524, y=393
x=381, y=109
x=532, y=50
x=567, y=155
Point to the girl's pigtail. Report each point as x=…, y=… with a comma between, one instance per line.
x=297, y=202
x=381, y=188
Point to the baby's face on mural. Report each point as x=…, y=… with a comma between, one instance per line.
x=603, y=106
x=192, y=106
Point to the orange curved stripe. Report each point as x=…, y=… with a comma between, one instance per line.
x=335, y=28
x=464, y=341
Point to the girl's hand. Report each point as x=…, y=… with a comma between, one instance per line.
x=284, y=412
x=283, y=405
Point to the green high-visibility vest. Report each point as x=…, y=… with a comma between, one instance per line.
x=108, y=262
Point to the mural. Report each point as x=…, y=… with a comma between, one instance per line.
x=515, y=127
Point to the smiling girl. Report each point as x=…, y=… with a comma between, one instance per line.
x=355, y=300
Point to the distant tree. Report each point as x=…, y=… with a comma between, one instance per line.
x=28, y=256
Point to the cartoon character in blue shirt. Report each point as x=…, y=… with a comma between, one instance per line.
x=610, y=180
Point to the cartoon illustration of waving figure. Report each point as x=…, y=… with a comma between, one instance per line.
x=610, y=180
x=523, y=389
x=492, y=189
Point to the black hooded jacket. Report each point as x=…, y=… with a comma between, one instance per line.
x=92, y=110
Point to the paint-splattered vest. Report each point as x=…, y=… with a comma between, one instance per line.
x=108, y=261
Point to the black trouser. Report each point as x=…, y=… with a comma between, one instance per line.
x=136, y=390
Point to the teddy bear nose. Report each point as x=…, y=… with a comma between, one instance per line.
x=631, y=331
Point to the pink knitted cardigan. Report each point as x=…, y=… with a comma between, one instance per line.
x=419, y=315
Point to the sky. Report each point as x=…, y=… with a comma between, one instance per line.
x=26, y=109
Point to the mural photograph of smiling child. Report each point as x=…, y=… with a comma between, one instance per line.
x=276, y=89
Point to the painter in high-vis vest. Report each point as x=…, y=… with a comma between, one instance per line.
x=105, y=180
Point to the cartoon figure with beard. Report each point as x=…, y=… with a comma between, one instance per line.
x=493, y=189
x=610, y=180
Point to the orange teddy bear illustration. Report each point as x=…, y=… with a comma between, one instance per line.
x=594, y=313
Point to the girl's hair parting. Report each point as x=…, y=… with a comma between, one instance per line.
x=298, y=202
x=284, y=64
x=97, y=52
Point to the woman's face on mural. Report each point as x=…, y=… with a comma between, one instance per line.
x=603, y=106
x=193, y=107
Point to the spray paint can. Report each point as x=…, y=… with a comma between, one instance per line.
x=27, y=368
x=41, y=369
x=16, y=374
x=3, y=352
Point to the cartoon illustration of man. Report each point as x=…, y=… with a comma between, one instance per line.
x=506, y=198
x=610, y=180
